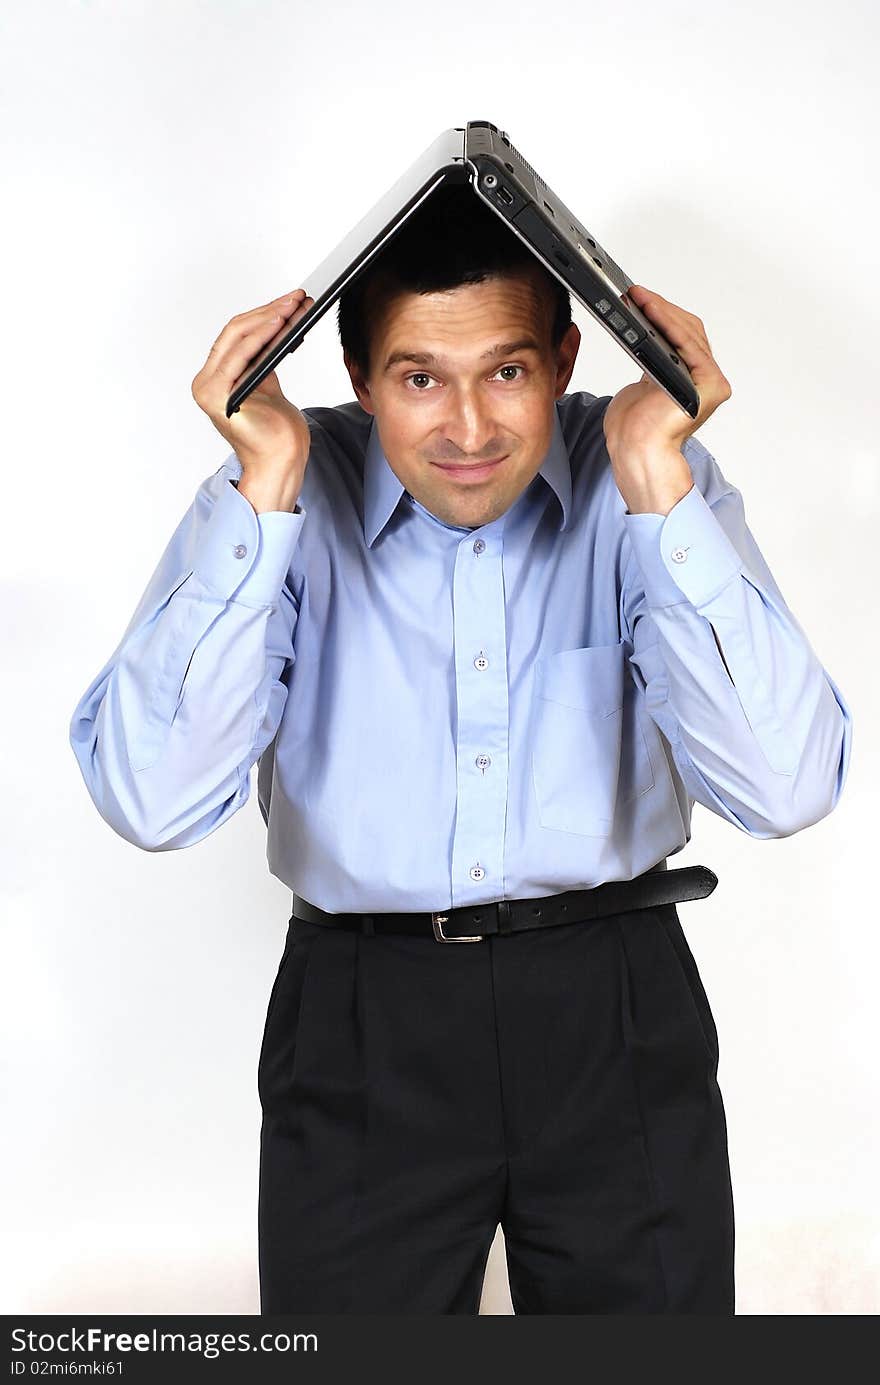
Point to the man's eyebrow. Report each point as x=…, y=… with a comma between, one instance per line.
x=504, y=348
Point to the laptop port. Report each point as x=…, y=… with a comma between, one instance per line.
x=505, y=196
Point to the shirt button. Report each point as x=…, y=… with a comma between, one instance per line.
x=483, y=762
x=477, y=872
x=240, y=550
x=479, y=545
x=679, y=555
x=481, y=661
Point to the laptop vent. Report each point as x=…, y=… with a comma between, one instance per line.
x=539, y=181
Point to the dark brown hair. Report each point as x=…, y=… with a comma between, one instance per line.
x=450, y=240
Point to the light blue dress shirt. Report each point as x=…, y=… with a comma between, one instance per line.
x=443, y=716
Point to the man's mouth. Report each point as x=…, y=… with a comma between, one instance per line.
x=471, y=471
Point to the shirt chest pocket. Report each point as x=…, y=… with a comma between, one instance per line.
x=588, y=750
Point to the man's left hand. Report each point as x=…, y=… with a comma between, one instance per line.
x=641, y=419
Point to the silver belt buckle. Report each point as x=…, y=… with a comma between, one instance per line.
x=437, y=920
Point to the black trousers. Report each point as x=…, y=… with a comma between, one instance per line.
x=559, y=1081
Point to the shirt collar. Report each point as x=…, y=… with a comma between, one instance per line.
x=383, y=490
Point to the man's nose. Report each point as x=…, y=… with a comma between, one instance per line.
x=474, y=431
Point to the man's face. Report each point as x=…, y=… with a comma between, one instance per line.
x=465, y=407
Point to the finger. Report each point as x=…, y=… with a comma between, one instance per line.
x=293, y=296
x=237, y=346
x=658, y=309
x=243, y=339
x=243, y=334
x=642, y=295
x=690, y=347
x=287, y=303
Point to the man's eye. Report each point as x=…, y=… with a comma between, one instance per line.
x=423, y=375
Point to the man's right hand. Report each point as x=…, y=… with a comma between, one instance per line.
x=269, y=435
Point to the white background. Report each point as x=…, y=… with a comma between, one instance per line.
x=167, y=165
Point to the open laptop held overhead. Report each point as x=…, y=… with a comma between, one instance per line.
x=483, y=157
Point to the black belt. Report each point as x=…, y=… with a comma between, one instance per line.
x=472, y=924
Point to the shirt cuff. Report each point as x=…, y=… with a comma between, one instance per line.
x=684, y=555
x=245, y=556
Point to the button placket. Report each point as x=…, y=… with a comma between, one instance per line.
x=479, y=622
x=482, y=761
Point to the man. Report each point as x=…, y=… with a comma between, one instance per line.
x=487, y=643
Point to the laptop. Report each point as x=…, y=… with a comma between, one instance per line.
x=482, y=156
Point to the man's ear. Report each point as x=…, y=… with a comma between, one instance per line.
x=566, y=357
x=359, y=384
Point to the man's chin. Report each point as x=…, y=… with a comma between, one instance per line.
x=472, y=514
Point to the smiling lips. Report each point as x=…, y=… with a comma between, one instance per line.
x=471, y=471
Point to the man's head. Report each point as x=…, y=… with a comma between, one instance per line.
x=455, y=283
